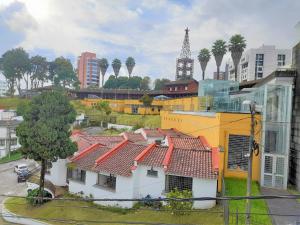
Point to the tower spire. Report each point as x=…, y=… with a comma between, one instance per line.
x=186, y=51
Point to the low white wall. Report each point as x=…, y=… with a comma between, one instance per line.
x=204, y=188
x=118, y=126
x=58, y=173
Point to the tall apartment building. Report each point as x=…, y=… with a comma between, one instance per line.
x=257, y=63
x=3, y=88
x=88, y=70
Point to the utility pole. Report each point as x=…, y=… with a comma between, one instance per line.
x=249, y=179
x=8, y=138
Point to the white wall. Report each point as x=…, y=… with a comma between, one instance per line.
x=204, y=188
x=3, y=135
x=58, y=173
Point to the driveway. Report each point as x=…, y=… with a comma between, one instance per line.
x=9, y=184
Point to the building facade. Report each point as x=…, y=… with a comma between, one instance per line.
x=3, y=88
x=88, y=70
x=222, y=76
x=260, y=62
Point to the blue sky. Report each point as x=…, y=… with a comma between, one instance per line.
x=151, y=31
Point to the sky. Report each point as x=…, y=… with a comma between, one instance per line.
x=151, y=31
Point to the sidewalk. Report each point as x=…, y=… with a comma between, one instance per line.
x=282, y=207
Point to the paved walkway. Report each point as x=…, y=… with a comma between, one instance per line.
x=283, y=207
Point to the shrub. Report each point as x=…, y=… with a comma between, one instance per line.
x=179, y=207
x=33, y=194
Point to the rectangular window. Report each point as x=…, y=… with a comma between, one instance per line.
x=76, y=174
x=280, y=60
x=259, y=64
x=13, y=141
x=2, y=142
x=179, y=183
x=152, y=173
x=107, y=181
x=238, y=149
x=271, y=141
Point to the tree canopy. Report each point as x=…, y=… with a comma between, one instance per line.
x=159, y=83
x=122, y=82
x=116, y=65
x=44, y=133
x=203, y=57
x=146, y=100
x=219, y=49
x=130, y=63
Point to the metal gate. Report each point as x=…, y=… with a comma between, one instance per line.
x=274, y=167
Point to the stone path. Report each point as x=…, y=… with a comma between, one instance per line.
x=283, y=207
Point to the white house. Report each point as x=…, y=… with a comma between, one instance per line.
x=132, y=169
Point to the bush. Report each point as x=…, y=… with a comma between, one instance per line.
x=179, y=207
x=33, y=194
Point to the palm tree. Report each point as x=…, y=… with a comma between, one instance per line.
x=203, y=57
x=219, y=50
x=237, y=44
x=116, y=65
x=103, y=64
x=130, y=63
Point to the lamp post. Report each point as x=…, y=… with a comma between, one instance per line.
x=252, y=106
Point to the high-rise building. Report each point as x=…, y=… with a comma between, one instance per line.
x=222, y=75
x=257, y=63
x=185, y=64
x=3, y=88
x=88, y=70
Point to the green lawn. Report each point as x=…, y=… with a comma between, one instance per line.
x=15, y=155
x=11, y=103
x=237, y=187
x=151, y=121
x=77, y=210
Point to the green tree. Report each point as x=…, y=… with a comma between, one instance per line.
x=15, y=65
x=159, y=83
x=39, y=71
x=130, y=63
x=44, y=133
x=179, y=207
x=134, y=82
x=104, y=109
x=103, y=63
x=111, y=82
x=219, y=49
x=237, y=45
x=203, y=57
x=116, y=65
x=62, y=72
x=146, y=100
x=145, y=83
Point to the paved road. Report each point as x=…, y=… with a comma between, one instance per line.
x=282, y=207
x=9, y=184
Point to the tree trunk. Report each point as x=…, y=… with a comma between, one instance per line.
x=203, y=74
x=102, y=81
x=235, y=73
x=19, y=86
x=218, y=72
x=42, y=181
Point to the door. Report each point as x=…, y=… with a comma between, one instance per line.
x=274, y=171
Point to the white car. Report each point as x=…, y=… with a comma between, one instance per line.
x=20, y=168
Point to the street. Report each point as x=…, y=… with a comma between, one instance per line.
x=8, y=181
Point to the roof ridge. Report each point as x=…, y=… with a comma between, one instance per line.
x=205, y=142
x=168, y=155
x=110, y=152
x=143, y=154
x=86, y=151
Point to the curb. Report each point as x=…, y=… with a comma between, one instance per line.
x=14, y=218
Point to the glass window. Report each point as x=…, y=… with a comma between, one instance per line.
x=76, y=174
x=280, y=60
x=107, y=181
x=259, y=63
x=152, y=173
x=2, y=142
x=13, y=141
x=180, y=183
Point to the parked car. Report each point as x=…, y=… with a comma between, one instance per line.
x=22, y=176
x=21, y=167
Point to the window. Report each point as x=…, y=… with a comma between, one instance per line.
x=271, y=141
x=107, y=181
x=186, y=88
x=280, y=60
x=180, y=183
x=238, y=149
x=2, y=142
x=170, y=89
x=152, y=173
x=13, y=141
x=76, y=174
x=259, y=64
x=175, y=88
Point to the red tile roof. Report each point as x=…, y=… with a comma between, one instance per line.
x=188, y=143
x=155, y=157
x=134, y=137
x=173, y=133
x=121, y=161
x=153, y=133
x=191, y=163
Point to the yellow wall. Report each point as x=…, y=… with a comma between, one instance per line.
x=215, y=127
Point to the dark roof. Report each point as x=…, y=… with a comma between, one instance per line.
x=180, y=82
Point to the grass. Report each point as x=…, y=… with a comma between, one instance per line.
x=237, y=187
x=11, y=103
x=292, y=190
x=110, y=132
x=15, y=155
x=151, y=121
x=83, y=211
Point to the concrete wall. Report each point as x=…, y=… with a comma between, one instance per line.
x=204, y=188
x=3, y=135
x=58, y=173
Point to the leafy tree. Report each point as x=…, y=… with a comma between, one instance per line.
x=130, y=63
x=203, y=57
x=111, y=82
x=103, y=63
x=44, y=133
x=116, y=65
x=122, y=82
x=145, y=83
x=134, y=82
x=15, y=64
x=104, y=109
x=179, y=207
x=237, y=45
x=146, y=100
x=219, y=49
x=159, y=83
x=62, y=72
x=39, y=71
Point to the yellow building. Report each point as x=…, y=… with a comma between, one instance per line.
x=228, y=131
